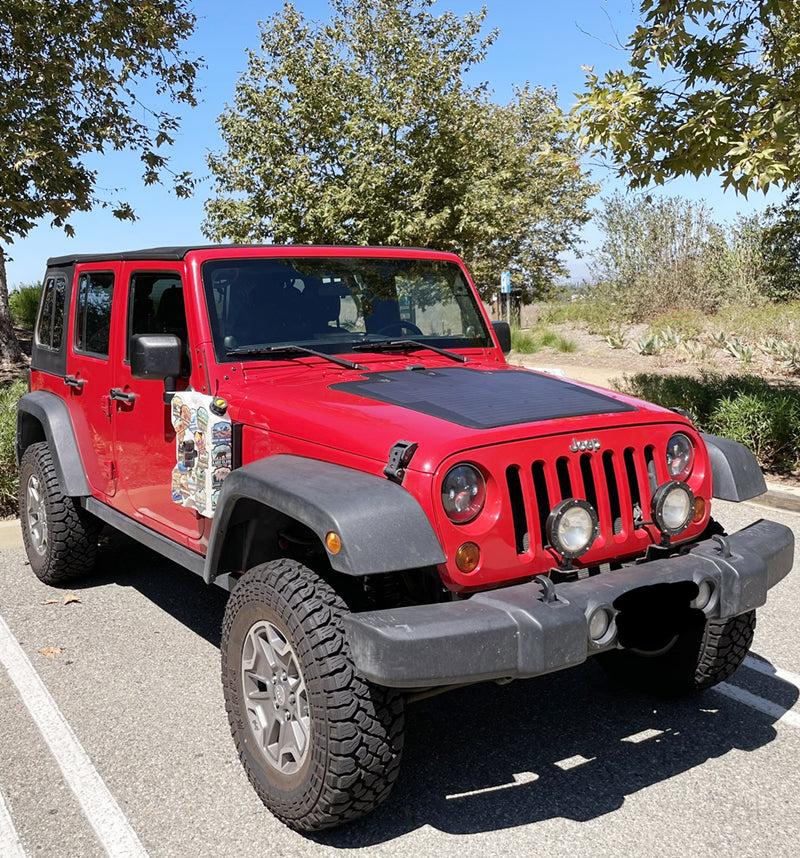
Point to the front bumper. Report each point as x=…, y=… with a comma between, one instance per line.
x=517, y=632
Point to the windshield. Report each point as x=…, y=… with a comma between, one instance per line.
x=335, y=304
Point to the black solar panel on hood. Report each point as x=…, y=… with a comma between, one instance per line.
x=483, y=400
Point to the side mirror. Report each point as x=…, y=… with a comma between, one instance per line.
x=156, y=356
x=502, y=331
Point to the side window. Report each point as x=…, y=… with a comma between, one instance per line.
x=51, y=318
x=156, y=306
x=93, y=312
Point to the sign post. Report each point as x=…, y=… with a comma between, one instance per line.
x=505, y=289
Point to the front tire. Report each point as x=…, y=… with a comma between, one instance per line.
x=321, y=745
x=60, y=537
x=700, y=657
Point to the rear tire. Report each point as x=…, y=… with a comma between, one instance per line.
x=60, y=537
x=320, y=744
x=698, y=658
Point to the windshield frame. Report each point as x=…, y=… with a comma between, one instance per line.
x=368, y=284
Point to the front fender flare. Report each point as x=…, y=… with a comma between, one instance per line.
x=734, y=470
x=382, y=526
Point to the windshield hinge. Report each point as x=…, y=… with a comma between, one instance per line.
x=399, y=459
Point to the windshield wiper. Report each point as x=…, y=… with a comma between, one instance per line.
x=401, y=345
x=288, y=350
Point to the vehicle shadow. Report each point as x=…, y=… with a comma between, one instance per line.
x=489, y=757
x=568, y=745
x=182, y=594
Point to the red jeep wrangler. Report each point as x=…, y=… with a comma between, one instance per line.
x=333, y=435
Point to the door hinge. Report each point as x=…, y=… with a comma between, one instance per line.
x=110, y=470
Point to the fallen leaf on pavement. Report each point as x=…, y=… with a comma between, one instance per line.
x=50, y=602
x=71, y=597
x=51, y=651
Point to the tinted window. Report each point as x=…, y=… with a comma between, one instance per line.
x=93, y=312
x=51, y=317
x=156, y=306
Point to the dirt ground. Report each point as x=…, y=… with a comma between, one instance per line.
x=595, y=362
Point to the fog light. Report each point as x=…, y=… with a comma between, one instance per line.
x=705, y=595
x=468, y=557
x=672, y=508
x=601, y=624
x=572, y=527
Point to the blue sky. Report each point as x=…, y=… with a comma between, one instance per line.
x=542, y=42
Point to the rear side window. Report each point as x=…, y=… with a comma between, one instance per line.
x=93, y=312
x=50, y=330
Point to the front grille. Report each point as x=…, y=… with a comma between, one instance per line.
x=617, y=483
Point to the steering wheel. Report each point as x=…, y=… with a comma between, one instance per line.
x=398, y=327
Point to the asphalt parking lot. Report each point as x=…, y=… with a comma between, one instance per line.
x=115, y=741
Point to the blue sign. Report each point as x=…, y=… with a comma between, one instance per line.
x=505, y=283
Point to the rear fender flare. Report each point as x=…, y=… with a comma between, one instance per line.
x=43, y=416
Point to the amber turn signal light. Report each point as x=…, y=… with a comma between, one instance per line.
x=468, y=557
x=333, y=542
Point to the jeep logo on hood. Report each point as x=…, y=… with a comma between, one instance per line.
x=584, y=444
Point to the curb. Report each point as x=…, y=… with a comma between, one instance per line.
x=10, y=534
x=786, y=498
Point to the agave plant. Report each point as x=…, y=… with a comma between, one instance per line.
x=648, y=344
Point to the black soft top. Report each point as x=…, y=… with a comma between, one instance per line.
x=163, y=253
x=179, y=252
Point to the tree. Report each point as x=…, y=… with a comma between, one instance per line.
x=362, y=130
x=781, y=249
x=667, y=254
x=72, y=76
x=712, y=85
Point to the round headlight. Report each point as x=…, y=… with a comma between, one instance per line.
x=680, y=456
x=673, y=508
x=463, y=493
x=572, y=527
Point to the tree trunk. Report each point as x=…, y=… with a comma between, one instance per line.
x=10, y=351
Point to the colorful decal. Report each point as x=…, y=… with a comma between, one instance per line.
x=202, y=450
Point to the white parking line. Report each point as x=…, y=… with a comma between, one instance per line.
x=779, y=713
x=101, y=809
x=769, y=670
x=10, y=844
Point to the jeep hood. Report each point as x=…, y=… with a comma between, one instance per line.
x=444, y=410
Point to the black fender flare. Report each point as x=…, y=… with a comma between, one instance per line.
x=734, y=470
x=43, y=416
x=381, y=525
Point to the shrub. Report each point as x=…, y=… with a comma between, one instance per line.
x=767, y=423
x=522, y=341
x=742, y=407
x=528, y=342
x=8, y=465
x=23, y=304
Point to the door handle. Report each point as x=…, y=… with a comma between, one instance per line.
x=73, y=381
x=118, y=394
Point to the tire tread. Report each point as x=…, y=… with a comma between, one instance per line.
x=72, y=532
x=365, y=722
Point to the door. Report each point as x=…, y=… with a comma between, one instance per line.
x=145, y=444
x=90, y=375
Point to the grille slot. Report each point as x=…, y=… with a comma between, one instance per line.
x=521, y=536
x=618, y=484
